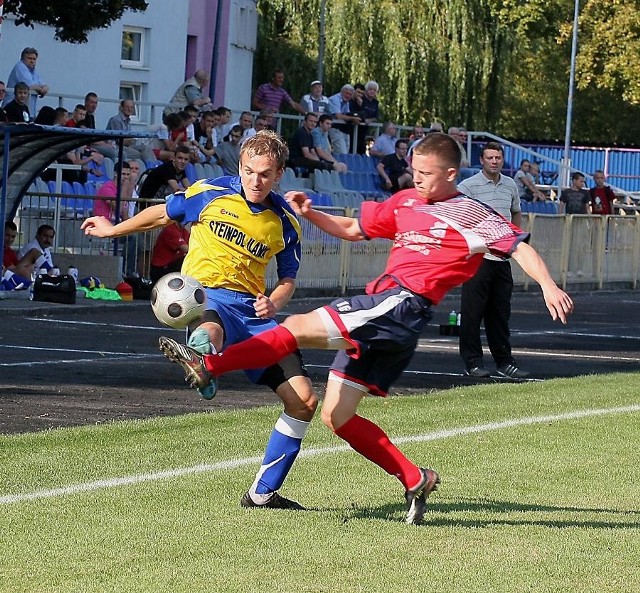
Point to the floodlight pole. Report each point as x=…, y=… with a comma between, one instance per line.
x=566, y=160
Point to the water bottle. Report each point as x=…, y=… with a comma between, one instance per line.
x=34, y=275
x=459, y=317
x=453, y=318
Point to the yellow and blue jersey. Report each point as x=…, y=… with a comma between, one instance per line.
x=232, y=240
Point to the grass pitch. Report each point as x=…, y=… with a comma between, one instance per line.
x=540, y=492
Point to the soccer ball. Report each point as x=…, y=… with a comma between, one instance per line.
x=177, y=300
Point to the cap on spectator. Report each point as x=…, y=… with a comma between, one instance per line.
x=315, y=82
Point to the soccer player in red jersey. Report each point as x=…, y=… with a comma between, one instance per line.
x=439, y=239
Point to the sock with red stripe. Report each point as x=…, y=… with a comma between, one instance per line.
x=370, y=440
x=257, y=352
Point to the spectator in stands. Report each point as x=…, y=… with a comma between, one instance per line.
x=527, y=189
x=165, y=179
x=3, y=94
x=340, y=107
x=315, y=101
x=246, y=123
x=322, y=144
x=61, y=116
x=162, y=146
x=133, y=149
x=47, y=116
x=228, y=152
x=487, y=295
x=39, y=250
x=601, y=195
x=271, y=96
x=365, y=105
x=190, y=92
x=9, y=256
x=394, y=169
x=386, y=142
x=17, y=110
x=77, y=117
x=104, y=147
x=302, y=151
x=25, y=72
x=224, y=126
x=416, y=135
x=205, y=136
x=90, y=106
x=169, y=251
x=131, y=243
x=460, y=136
x=105, y=204
x=261, y=123
x=575, y=199
x=13, y=274
x=534, y=169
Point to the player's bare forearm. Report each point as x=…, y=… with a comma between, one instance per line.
x=149, y=218
x=558, y=302
x=343, y=227
x=277, y=300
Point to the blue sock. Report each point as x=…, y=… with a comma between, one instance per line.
x=282, y=449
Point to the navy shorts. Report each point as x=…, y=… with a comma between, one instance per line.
x=383, y=329
x=235, y=313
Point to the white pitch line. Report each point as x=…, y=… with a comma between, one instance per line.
x=32, y=363
x=236, y=463
x=102, y=324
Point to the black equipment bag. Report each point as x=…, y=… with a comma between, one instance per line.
x=55, y=289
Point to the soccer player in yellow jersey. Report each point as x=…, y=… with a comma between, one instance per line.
x=238, y=224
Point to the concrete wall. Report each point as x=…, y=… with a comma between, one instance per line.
x=71, y=69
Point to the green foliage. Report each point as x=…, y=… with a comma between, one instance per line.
x=72, y=19
x=498, y=65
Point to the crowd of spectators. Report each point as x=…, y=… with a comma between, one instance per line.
x=332, y=125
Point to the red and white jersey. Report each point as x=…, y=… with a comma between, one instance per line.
x=436, y=246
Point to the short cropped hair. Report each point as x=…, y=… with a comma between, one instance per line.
x=21, y=86
x=266, y=143
x=440, y=144
x=492, y=146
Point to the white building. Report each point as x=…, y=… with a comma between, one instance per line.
x=145, y=56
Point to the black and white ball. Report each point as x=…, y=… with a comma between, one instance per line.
x=177, y=300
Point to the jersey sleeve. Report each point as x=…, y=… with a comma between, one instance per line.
x=288, y=260
x=378, y=219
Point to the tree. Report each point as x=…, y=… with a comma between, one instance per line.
x=494, y=65
x=72, y=19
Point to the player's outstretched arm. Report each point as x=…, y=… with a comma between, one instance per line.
x=149, y=218
x=557, y=300
x=342, y=227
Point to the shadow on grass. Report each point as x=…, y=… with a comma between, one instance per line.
x=498, y=511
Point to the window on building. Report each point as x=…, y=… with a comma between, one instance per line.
x=133, y=42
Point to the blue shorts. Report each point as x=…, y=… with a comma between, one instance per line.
x=383, y=329
x=239, y=322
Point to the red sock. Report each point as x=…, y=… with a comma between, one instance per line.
x=256, y=352
x=370, y=440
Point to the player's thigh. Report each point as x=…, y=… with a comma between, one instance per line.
x=310, y=331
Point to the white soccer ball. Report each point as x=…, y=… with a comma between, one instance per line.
x=177, y=300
